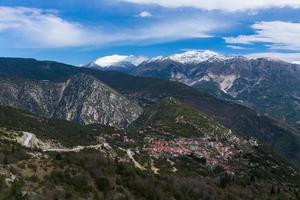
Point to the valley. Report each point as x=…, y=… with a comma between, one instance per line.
x=149, y=100
x=156, y=130
x=154, y=153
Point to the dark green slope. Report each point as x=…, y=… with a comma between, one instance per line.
x=68, y=133
x=281, y=137
x=246, y=122
x=22, y=68
x=90, y=174
x=145, y=91
x=171, y=116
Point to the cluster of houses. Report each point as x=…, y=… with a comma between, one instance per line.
x=210, y=151
x=215, y=152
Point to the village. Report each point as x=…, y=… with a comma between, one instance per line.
x=211, y=152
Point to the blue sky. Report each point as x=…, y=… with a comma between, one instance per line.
x=77, y=32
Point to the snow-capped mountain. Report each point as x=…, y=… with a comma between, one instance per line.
x=195, y=56
x=261, y=83
x=125, y=61
x=296, y=62
x=117, y=62
x=192, y=56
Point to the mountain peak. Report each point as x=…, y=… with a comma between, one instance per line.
x=118, y=60
x=107, y=61
x=196, y=56
x=296, y=62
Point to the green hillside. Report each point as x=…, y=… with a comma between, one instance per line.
x=172, y=116
x=110, y=174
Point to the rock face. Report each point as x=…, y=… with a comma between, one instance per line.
x=82, y=98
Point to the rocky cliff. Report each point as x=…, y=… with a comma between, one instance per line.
x=82, y=98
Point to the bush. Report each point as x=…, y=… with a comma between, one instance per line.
x=16, y=192
x=103, y=183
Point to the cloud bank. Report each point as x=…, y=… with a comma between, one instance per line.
x=276, y=35
x=37, y=28
x=289, y=57
x=223, y=5
x=40, y=28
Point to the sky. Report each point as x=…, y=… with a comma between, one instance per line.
x=77, y=32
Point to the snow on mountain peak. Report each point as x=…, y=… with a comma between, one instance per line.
x=196, y=56
x=109, y=60
x=115, y=60
x=192, y=56
x=296, y=62
x=135, y=60
x=156, y=59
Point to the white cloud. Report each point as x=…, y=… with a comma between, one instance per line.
x=223, y=5
x=289, y=57
x=145, y=14
x=278, y=35
x=36, y=28
x=41, y=28
x=175, y=30
x=235, y=47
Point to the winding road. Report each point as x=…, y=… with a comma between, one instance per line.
x=136, y=164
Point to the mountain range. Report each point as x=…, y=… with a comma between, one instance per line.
x=124, y=135
x=272, y=87
x=280, y=136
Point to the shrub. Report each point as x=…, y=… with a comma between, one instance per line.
x=103, y=183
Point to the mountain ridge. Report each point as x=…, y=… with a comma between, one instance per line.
x=259, y=83
x=186, y=57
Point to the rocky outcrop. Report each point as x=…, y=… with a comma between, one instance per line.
x=82, y=98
